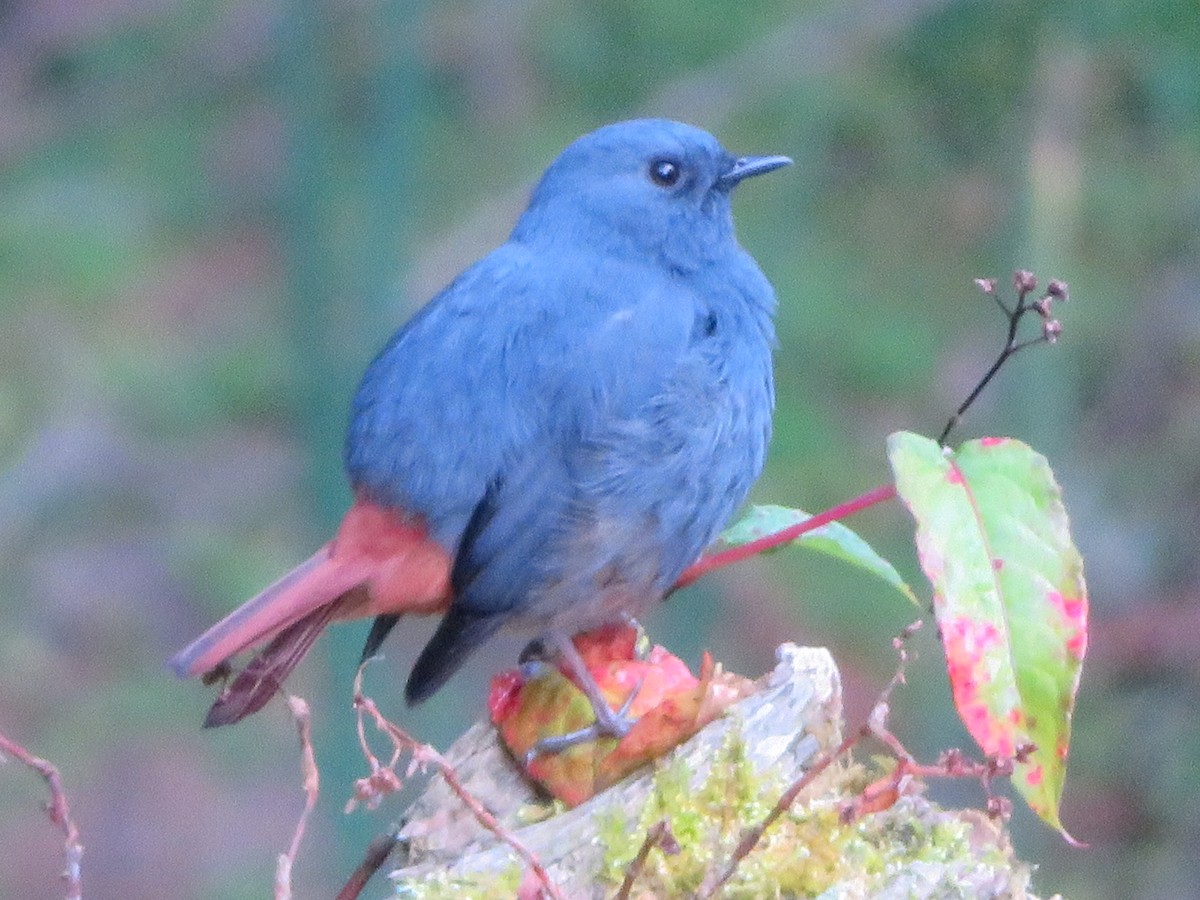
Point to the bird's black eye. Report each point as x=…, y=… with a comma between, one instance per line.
x=665, y=172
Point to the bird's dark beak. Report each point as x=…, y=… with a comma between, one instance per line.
x=746, y=166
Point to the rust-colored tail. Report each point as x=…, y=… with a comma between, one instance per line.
x=263, y=676
x=380, y=564
x=315, y=583
x=290, y=614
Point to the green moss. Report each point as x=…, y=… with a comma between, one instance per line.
x=911, y=849
x=444, y=886
x=808, y=851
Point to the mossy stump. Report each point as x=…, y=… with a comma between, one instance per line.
x=709, y=790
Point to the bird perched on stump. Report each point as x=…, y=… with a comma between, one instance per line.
x=555, y=436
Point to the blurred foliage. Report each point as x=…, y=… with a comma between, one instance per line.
x=213, y=213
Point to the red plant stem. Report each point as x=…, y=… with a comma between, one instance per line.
x=715, y=561
x=59, y=811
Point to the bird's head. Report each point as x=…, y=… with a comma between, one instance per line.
x=648, y=186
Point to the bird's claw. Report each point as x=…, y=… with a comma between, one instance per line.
x=608, y=723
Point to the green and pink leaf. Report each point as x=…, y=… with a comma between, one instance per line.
x=1009, y=597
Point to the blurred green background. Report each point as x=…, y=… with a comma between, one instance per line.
x=212, y=214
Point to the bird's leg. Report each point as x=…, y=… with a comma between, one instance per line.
x=609, y=722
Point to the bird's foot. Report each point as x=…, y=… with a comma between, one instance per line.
x=609, y=723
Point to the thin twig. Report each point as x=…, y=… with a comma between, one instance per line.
x=881, y=794
x=1025, y=283
x=58, y=810
x=426, y=754
x=719, y=560
x=754, y=833
x=377, y=854
x=312, y=789
x=659, y=833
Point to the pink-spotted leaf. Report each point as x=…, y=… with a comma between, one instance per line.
x=1009, y=597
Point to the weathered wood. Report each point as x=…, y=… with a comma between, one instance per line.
x=796, y=713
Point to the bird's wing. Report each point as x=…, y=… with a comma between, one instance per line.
x=489, y=377
x=653, y=450
x=432, y=419
x=505, y=358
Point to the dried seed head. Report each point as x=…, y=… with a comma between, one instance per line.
x=1051, y=329
x=987, y=285
x=1057, y=289
x=1043, y=306
x=1024, y=281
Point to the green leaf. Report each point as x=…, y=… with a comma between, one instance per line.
x=1009, y=596
x=833, y=539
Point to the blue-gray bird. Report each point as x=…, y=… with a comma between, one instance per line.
x=556, y=435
